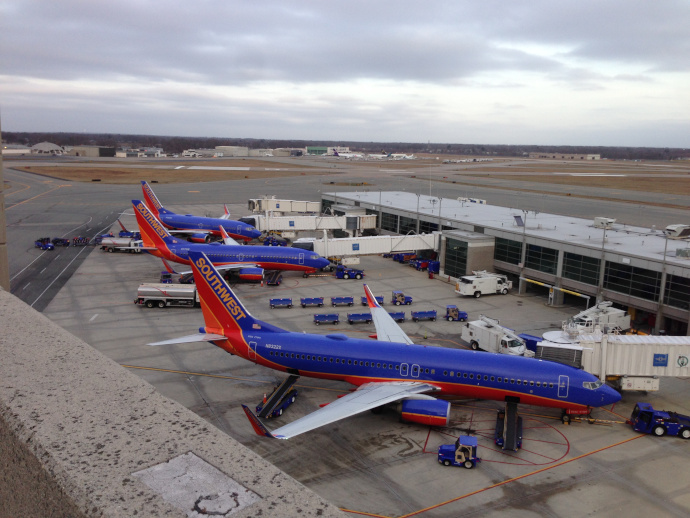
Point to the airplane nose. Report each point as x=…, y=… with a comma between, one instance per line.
x=322, y=262
x=610, y=396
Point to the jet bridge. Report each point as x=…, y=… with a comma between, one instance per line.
x=349, y=223
x=374, y=245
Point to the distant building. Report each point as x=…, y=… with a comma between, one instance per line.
x=260, y=152
x=564, y=156
x=46, y=148
x=233, y=150
x=317, y=150
x=287, y=151
x=15, y=149
x=91, y=151
x=144, y=152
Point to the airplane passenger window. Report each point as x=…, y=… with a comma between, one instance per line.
x=292, y=355
x=519, y=382
x=531, y=384
x=500, y=379
x=331, y=360
x=349, y=362
x=538, y=383
x=445, y=373
x=397, y=367
x=550, y=385
x=426, y=371
x=492, y=378
x=451, y=373
x=378, y=365
x=471, y=376
x=486, y=377
x=512, y=380
x=390, y=365
x=303, y=357
x=464, y=375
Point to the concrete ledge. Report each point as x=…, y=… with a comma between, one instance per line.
x=75, y=426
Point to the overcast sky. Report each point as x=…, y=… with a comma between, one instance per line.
x=585, y=72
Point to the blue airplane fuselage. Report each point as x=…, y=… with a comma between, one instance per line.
x=236, y=229
x=455, y=372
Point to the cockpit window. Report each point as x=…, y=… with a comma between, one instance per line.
x=592, y=385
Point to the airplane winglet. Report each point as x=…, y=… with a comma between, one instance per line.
x=227, y=212
x=258, y=426
x=168, y=267
x=371, y=300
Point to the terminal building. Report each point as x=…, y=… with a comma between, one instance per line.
x=646, y=271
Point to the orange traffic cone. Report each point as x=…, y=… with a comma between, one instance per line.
x=264, y=398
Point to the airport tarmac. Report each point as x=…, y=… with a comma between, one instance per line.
x=372, y=464
x=369, y=464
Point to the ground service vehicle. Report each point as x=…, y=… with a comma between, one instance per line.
x=453, y=313
x=331, y=318
x=117, y=244
x=424, y=315
x=398, y=316
x=343, y=272
x=379, y=299
x=400, y=298
x=311, y=301
x=508, y=433
x=44, y=243
x=342, y=301
x=80, y=241
x=603, y=315
x=659, y=422
x=419, y=264
x=284, y=401
x=483, y=283
x=359, y=317
x=462, y=453
x=487, y=334
x=59, y=241
x=167, y=295
x=280, y=303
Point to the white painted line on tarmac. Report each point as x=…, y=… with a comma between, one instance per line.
x=26, y=285
x=93, y=317
x=32, y=262
x=180, y=167
x=44, y=269
x=56, y=256
x=58, y=276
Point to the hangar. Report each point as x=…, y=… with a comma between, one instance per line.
x=646, y=270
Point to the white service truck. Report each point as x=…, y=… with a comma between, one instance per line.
x=167, y=295
x=124, y=244
x=603, y=315
x=483, y=283
x=487, y=334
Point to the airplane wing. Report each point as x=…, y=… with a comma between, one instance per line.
x=387, y=329
x=366, y=397
x=221, y=267
x=199, y=337
x=188, y=231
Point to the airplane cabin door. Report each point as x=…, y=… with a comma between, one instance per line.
x=563, y=386
x=252, y=350
x=403, y=369
x=415, y=371
x=301, y=258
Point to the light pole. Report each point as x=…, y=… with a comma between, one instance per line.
x=380, y=211
x=600, y=290
x=662, y=291
x=440, y=202
x=523, y=255
x=418, y=195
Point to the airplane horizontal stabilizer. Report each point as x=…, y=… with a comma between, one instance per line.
x=199, y=337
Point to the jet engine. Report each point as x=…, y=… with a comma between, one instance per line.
x=200, y=238
x=251, y=274
x=434, y=412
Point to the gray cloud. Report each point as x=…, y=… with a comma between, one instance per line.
x=273, y=65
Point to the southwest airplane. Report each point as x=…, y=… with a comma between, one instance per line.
x=248, y=260
x=199, y=229
x=392, y=369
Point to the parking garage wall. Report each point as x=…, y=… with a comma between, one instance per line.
x=75, y=426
